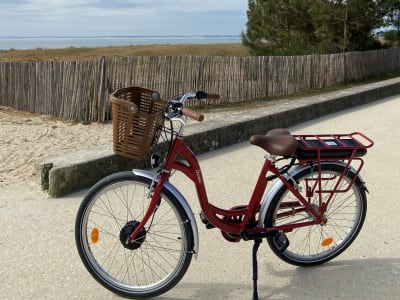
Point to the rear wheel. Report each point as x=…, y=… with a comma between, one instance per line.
x=345, y=214
x=162, y=252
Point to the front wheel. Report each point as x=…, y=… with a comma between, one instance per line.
x=345, y=214
x=158, y=259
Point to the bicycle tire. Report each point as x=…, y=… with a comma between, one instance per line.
x=317, y=244
x=108, y=213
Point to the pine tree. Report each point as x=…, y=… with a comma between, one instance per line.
x=281, y=27
x=363, y=18
x=296, y=27
x=391, y=12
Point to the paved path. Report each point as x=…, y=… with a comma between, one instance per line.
x=38, y=259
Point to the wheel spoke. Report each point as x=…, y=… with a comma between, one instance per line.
x=315, y=244
x=161, y=252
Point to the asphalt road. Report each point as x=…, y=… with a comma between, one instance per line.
x=38, y=259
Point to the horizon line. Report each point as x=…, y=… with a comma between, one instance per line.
x=118, y=36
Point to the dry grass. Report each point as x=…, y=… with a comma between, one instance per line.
x=126, y=51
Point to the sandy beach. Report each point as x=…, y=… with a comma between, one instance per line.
x=27, y=139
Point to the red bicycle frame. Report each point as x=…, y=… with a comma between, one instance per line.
x=220, y=218
x=217, y=216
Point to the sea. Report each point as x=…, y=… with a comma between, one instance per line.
x=58, y=42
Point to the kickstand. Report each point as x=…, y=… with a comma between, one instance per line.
x=256, y=245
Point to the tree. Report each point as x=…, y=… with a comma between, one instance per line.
x=363, y=17
x=391, y=12
x=278, y=26
x=295, y=27
x=330, y=19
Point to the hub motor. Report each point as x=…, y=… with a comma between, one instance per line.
x=127, y=230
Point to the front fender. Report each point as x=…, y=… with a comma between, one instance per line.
x=182, y=201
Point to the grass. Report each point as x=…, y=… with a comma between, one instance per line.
x=123, y=51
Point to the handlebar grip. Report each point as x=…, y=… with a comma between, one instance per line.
x=212, y=96
x=204, y=95
x=193, y=114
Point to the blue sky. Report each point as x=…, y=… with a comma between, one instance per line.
x=122, y=17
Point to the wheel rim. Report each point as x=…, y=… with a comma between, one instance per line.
x=320, y=242
x=149, y=266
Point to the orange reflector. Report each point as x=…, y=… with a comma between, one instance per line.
x=95, y=235
x=326, y=242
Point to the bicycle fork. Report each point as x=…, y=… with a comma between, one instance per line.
x=153, y=194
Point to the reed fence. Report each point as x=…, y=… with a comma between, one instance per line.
x=80, y=89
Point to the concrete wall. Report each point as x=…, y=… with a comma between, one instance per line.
x=63, y=175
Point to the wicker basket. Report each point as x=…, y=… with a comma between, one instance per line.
x=137, y=119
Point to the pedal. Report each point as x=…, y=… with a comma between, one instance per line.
x=205, y=221
x=281, y=241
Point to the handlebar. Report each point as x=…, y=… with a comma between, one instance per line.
x=200, y=95
x=175, y=107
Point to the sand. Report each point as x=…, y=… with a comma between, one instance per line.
x=27, y=139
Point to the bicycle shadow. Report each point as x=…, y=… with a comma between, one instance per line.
x=347, y=279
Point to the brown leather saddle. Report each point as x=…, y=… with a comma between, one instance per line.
x=276, y=142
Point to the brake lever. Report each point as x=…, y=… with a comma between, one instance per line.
x=173, y=109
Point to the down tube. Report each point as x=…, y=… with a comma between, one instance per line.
x=192, y=170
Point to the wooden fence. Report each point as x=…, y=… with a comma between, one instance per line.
x=79, y=89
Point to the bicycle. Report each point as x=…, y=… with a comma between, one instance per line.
x=136, y=234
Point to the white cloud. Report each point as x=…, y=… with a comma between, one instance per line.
x=113, y=7
x=87, y=17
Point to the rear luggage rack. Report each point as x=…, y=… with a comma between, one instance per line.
x=332, y=146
